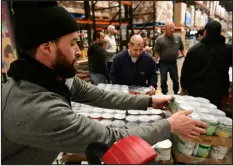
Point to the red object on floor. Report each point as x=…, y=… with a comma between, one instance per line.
x=130, y=150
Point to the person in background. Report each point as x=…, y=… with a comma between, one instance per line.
x=134, y=66
x=96, y=60
x=111, y=45
x=167, y=48
x=41, y=123
x=199, y=35
x=146, y=44
x=205, y=69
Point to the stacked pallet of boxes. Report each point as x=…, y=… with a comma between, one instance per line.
x=73, y=6
x=164, y=11
x=211, y=148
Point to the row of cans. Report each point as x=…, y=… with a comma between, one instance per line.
x=114, y=88
x=201, y=150
x=197, y=104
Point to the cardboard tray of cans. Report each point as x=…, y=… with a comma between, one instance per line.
x=188, y=159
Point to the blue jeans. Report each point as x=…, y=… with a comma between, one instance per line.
x=98, y=78
x=173, y=71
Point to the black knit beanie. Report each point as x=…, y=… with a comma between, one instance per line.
x=213, y=28
x=37, y=22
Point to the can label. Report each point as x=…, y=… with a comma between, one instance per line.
x=211, y=129
x=202, y=150
x=223, y=131
x=185, y=148
x=218, y=152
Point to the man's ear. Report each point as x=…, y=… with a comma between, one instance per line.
x=46, y=48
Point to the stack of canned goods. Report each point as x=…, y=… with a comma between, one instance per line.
x=219, y=126
x=114, y=88
x=135, y=118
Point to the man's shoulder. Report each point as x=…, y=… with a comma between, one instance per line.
x=122, y=54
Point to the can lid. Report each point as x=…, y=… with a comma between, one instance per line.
x=218, y=112
x=109, y=111
x=187, y=107
x=107, y=116
x=194, y=116
x=210, y=105
x=132, y=118
x=178, y=97
x=119, y=116
x=155, y=117
x=225, y=121
x=202, y=110
x=194, y=103
x=156, y=111
x=98, y=110
x=144, y=118
x=164, y=144
x=95, y=115
x=120, y=112
x=203, y=100
x=84, y=114
x=189, y=98
x=145, y=112
x=180, y=101
x=83, y=109
x=209, y=118
x=134, y=112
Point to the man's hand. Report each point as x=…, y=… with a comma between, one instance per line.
x=152, y=91
x=160, y=101
x=183, y=125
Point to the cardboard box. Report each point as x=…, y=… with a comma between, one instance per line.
x=197, y=160
x=211, y=140
x=179, y=14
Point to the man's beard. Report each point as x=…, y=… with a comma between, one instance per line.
x=62, y=67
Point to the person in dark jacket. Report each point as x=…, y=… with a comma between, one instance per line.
x=134, y=66
x=96, y=60
x=205, y=69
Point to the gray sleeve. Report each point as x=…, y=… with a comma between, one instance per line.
x=89, y=94
x=181, y=43
x=55, y=127
x=157, y=46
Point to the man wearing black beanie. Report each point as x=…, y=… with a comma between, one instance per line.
x=37, y=119
x=205, y=69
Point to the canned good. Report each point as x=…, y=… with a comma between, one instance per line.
x=201, y=110
x=107, y=116
x=109, y=111
x=164, y=149
x=119, y=116
x=98, y=110
x=202, y=150
x=210, y=105
x=186, y=107
x=144, y=119
x=189, y=98
x=194, y=116
x=212, y=122
x=145, y=112
x=185, y=148
x=96, y=116
x=218, y=112
x=194, y=103
x=118, y=124
x=106, y=122
x=218, y=152
x=202, y=100
x=179, y=97
x=132, y=118
x=120, y=112
x=177, y=103
x=155, y=118
x=130, y=125
x=134, y=112
x=224, y=128
x=155, y=111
